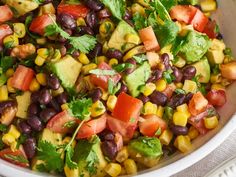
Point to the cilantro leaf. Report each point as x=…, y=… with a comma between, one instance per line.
x=169, y=3
x=140, y=21
x=69, y=155
x=168, y=76
x=3, y=128
x=1, y=143
x=122, y=67
x=140, y=58
x=180, y=91
x=160, y=9
x=103, y=72
x=3, y=79
x=112, y=88
x=6, y=63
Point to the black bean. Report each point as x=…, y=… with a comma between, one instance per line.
x=44, y=96
x=92, y=20
x=156, y=75
x=67, y=21
x=179, y=130
x=128, y=15
x=85, y=30
x=75, y=54
x=6, y=104
x=109, y=149
x=33, y=109
x=188, y=97
x=96, y=94
x=107, y=135
x=55, y=105
x=158, y=98
x=189, y=72
x=30, y=147
x=219, y=36
x=24, y=127
x=47, y=114
x=62, y=98
x=53, y=82
x=63, y=50
x=95, y=5
x=114, y=53
x=166, y=60
x=131, y=69
x=97, y=51
x=143, y=98
x=123, y=88
x=176, y=100
x=35, y=123
x=35, y=97
x=104, y=13
x=178, y=74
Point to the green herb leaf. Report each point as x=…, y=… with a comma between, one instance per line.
x=132, y=120
x=21, y=140
x=122, y=67
x=168, y=76
x=160, y=9
x=1, y=143
x=103, y=72
x=6, y=63
x=70, y=124
x=69, y=155
x=180, y=91
x=158, y=132
x=3, y=79
x=3, y=128
x=112, y=88
x=140, y=21
x=140, y=59
x=16, y=158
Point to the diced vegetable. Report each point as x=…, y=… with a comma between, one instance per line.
x=5, y=30
x=5, y=13
x=76, y=10
x=228, y=70
x=197, y=104
x=216, y=97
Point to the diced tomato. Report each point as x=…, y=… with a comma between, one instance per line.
x=5, y=30
x=57, y=124
x=216, y=97
x=5, y=13
x=149, y=39
x=39, y=23
x=199, y=21
x=76, y=10
x=8, y=155
x=127, y=108
x=92, y=127
x=183, y=13
x=169, y=90
x=101, y=80
x=199, y=126
x=210, y=29
x=22, y=78
x=151, y=124
x=197, y=104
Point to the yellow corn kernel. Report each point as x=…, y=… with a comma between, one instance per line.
x=192, y=133
x=56, y=56
x=101, y=59
x=180, y=62
x=8, y=139
x=183, y=143
x=64, y=106
x=58, y=91
x=71, y=172
x=11, y=41
x=3, y=93
x=190, y=86
x=130, y=166
x=217, y=87
x=160, y=111
x=39, y=60
x=105, y=47
x=97, y=109
x=67, y=139
x=111, y=102
x=166, y=137
x=14, y=132
x=113, y=169
x=19, y=29
x=216, y=78
x=161, y=85
x=183, y=108
x=122, y=155
x=211, y=122
x=41, y=78
x=180, y=118
x=179, y=85
x=83, y=58
x=149, y=89
x=13, y=146
x=132, y=38
x=46, y=9
x=105, y=94
x=208, y=5
x=10, y=72
x=150, y=108
x=41, y=41
x=9, y=86
x=166, y=49
x=88, y=67
x=43, y=52
x=106, y=28
x=136, y=8
x=34, y=85
x=135, y=51
x=113, y=61
x=80, y=22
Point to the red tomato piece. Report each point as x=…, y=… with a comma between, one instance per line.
x=101, y=80
x=151, y=124
x=169, y=90
x=5, y=13
x=210, y=29
x=197, y=104
x=5, y=30
x=22, y=78
x=76, y=10
x=127, y=108
x=7, y=154
x=216, y=97
x=92, y=127
x=200, y=126
x=199, y=21
x=39, y=23
x=57, y=123
x=183, y=13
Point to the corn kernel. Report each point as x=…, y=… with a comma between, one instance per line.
x=3, y=93
x=150, y=108
x=111, y=102
x=190, y=86
x=71, y=172
x=161, y=85
x=80, y=22
x=83, y=58
x=166, y=49
x=106, y=28
x=8, y=139
x=56, y=56
x=160, y=111
x=14, y=132
x=132, y=38
x=192, y=133
x=58, y=91
x=34, y=85
x=135, y=51
x=9, y=86
x=183, y=143
x=180, y=62
x=149, y=89
x=19, y=29
x=216, y=78
x=11, y=41
x=105, y=47
x=179, y=85
x=180, y=118
x=41, y=78
x=88, y=67
x=166, y=137
x=130, y=166
x=39, y=60
x=113, y=61
x=10, y=72
x=208, y=5
x=13, y=146
x=41, y=41
x=113, y=169
x=101, y=59
x=122, y=155
x=64, y=106
x=211, y=122
x=136, y=8
x=97, y=109
x=184, y=109
x=43, y=52
x=217, y=87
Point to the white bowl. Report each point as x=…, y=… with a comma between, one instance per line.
x=226, y=16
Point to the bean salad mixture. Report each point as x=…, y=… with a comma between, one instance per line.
x=108, y=87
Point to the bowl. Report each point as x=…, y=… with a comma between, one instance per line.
x=202, y=146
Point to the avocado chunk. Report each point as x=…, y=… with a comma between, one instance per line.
x=67, y=70
x=118, y=37
x=23, y=102
x=203, y=70
x=88, y=155
x=215, y=53
x=194, y=47
x=138, y=78
x=145, y=150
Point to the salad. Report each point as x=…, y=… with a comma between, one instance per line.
x=108, y=87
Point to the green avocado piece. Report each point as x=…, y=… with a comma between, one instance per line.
x=138, y=78
x=88, y=155
x=203, y=70
x=194, y=47
x=215, y=54
x=117, y=39
x=67, y=70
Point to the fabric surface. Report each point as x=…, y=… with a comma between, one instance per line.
x=225, y=151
